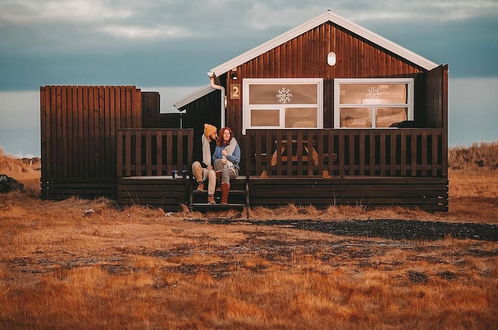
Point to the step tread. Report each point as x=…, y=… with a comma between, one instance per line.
x=235, y=191
x=216, y=206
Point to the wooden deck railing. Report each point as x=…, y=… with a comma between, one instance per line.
x=153, y=152
x=346, y=152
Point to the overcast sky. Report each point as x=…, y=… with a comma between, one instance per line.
x=173, y=43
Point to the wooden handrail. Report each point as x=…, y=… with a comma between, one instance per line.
x=153, y=152
x=347, y=152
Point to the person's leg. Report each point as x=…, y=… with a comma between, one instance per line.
x=226, y=175
x=218, y=167
x=211, y=186
x=199, y=175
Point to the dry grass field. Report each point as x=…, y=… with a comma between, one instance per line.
x=143, y=268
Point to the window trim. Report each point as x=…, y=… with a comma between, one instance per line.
x=246, y=107
x=337, y=90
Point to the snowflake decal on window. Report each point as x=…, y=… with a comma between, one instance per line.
x=284, y=95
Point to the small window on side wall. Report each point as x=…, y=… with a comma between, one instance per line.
x=372, y=103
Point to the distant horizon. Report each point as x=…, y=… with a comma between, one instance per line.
x=21, y=125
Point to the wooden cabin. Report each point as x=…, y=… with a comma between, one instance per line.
x=327, y=113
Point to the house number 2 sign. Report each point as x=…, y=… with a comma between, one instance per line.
x=235, y=91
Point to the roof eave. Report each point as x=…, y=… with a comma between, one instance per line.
x=325, y=17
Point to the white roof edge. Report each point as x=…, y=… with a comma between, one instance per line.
x=334, y=18
x=193, y=96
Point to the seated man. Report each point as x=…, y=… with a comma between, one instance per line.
x=204, y=170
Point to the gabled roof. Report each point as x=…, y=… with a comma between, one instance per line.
x=193, y=96
x=325, y=17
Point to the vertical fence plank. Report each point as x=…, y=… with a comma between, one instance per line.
x=119, y=154
x=100, y=132
x=341, y=154
x=434, y=152
x=79, y=142
x=269, y=163
x=393, y=138
x=180, y=151
x=414, y=135
x=138, y=153
x=159, y=153
x=423, y=149
x=112, y=120
x=190, y=135
x=128, y=153
x=289, y=152
x=403, y=153
x=91, y=144
x=53, y=133
x=299, y=152
x=248, y=148
x=59, y=160
x=107, y=132
x=351, y=152
x=70, y=135
x=169, y=150
x=309, y=146
x=43, y=136
x=63, y=155
x=320, y=152
x=362, y=152
x=331, y=152
x=148, y=154
x=258, y=153
x=372, y=153
x=383, y=153
x=48, y=133
x=444, y=152
x=279, y=151
x=86, y=134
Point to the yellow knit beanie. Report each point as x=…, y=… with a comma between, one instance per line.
x=209, y=130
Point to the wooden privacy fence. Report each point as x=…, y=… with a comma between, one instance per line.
x=346, y=152
x=153, y=152
x=78, y=137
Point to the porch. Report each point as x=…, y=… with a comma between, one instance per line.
x=306, y=167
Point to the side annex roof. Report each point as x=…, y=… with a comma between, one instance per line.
x=325, y=17
x=193, y=96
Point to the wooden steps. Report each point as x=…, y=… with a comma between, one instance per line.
x=237, y=199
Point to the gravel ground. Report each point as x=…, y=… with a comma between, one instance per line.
x=391, y=229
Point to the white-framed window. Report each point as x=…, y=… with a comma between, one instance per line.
x=372, y=102
x=282, y=103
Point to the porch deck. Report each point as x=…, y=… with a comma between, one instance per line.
x=406, y=167
x=429, y=193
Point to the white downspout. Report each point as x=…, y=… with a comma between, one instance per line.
x=212, y=76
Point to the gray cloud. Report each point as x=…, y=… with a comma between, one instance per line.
x=172, y=42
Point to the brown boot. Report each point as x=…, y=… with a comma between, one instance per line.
x=211, y=199
x=225, y=190
x=200, y=186
x=218, y=180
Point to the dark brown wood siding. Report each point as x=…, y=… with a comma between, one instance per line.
x=151, y=108
x=306, y=57
x=78, y=137
x=204, y=110
x=436, y=97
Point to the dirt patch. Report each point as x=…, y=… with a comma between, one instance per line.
x=391, y=229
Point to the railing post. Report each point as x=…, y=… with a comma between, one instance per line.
x=159, y=153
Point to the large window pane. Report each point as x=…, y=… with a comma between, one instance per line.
x=388, y=116
x=374, y=94
x=283, y=94
x=356, y=117
x=301, y=117
x=265, y=117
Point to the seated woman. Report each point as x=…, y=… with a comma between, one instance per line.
x=226, y=159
